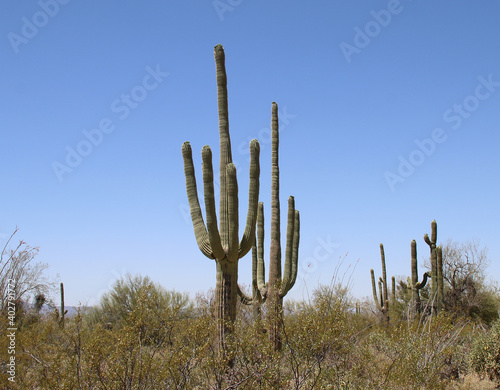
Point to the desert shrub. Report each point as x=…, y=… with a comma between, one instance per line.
x=412, y=354
x=130, y=292
x=485, y=353
x=327, y=344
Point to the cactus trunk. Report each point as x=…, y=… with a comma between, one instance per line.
x=225, y=300
x=62, y=307
x=436, y=270
x=415, y=293
x=416, y=286
x=440, y=287
x=433, y=259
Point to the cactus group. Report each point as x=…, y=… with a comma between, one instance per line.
x=279, y=284
x=436, y=274
x=222, y=243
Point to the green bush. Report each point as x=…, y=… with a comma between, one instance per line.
x=485, y=353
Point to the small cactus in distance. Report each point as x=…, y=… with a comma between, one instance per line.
x=62, y=312
x=416, y=286
x=436, y=269
x=382, y=302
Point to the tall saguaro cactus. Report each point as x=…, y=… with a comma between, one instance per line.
x=222, y=243
x=279, y=284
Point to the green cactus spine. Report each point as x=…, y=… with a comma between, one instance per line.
x=222, y=243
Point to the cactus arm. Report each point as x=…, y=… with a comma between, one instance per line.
x=200, y=230
x=290, y=232
x=384, y=277
x=208, y=189
x=259, y=278
x=253, y=200
x=381, y=297
x=414, y=265
x=259, y=252
x=374, y=290
x=245, y=299
x=434, y=231
x=393, y=292
x=295, y=252
x=232, y=190
x=421, y=285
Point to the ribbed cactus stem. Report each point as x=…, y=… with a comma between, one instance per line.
x=440, y=282
x=275, y=256
x=374, y=290
x=381, y=301
x=385, y=294
x=279, y=286
x=432, y=246
x=62, y=306
x=415, y=295
x=393, y=290
x=381, y=295
x=260, y=270
x=225, y=141
x=416, y=286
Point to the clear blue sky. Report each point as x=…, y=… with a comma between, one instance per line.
x=389, y=120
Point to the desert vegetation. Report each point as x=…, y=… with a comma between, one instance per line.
x=143, y=336
x=441, y=331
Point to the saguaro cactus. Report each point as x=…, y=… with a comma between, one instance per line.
x=436, y=269
x=381, y=302
x=222, y=243
x=278, y=284
x=432, y=246
x=416, y=286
